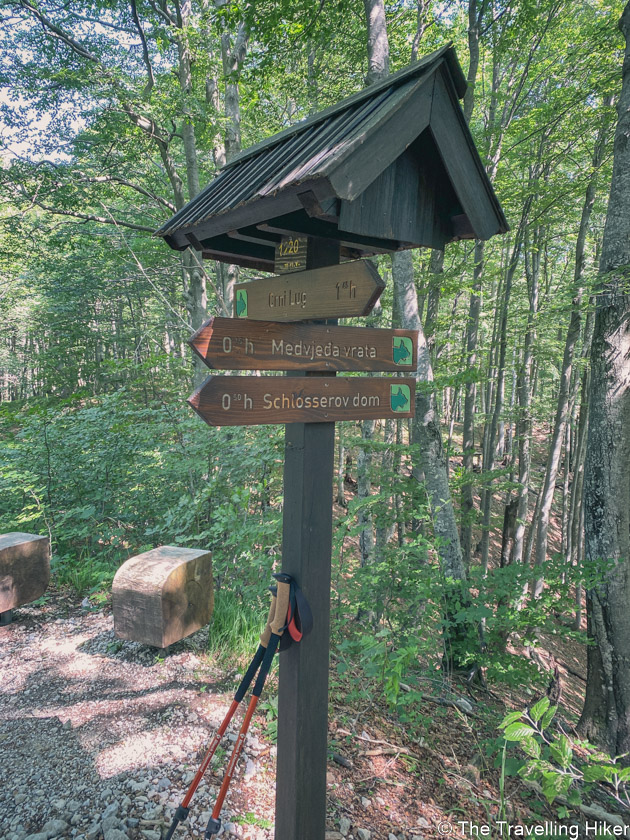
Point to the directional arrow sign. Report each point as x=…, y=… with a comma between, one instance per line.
x=256, y=400
x=337, y=291
x=231, y=344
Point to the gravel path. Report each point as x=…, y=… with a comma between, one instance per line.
x=100, y=738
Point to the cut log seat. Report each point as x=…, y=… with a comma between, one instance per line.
x=163, y=595
x=24, y=569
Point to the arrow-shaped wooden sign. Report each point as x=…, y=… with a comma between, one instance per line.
x=256, y=400
x=232, y=344
x=337, y=291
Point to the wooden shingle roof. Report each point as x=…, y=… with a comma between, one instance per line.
x=391, y=167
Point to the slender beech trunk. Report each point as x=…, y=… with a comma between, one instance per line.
x=430, y=467
x=364, y=491
x=489, y=450
x=468, y=440
x=426, y=432
x=385, y=524
x=378, y=69
x=233, y=50
x=564, y=390
x=606, y=713
x=377, y=42
x=575, y=545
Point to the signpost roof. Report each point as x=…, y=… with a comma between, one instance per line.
x=389, y=168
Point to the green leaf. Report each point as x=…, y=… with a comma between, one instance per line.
x=531, y=747
x=511, y=717
x=548, y=717
x=561, y=751
x=517, y=731
x=554, y=784
x=598, y=773
x=539, y=709
x=574, y=799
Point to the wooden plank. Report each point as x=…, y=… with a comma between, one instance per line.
x=241, y=344
x=306, y=554
x=252, y=212
x=463, y=163
x=260, y=400
x=290, y=254
x=397, y=205
x=236, y=259
x=412, y=200
x=304, y=225
x=252, y=234
x=340, y=291
x=351, y=174
x=24, y=569
x=424, y=65
x=239, y=246
x=163, y=595
x=303, y=684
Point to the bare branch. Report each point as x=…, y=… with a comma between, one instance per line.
x=57, y=32
x=113, y=179
x=161, y=10
x=145, y=50
x=88, y=217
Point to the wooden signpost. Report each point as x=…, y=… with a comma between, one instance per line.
x=391, y=168
x=230, y=344
x=309, y=399
x=255, y=400
x=339, y=291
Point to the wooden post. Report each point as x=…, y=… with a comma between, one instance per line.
x=306, y=555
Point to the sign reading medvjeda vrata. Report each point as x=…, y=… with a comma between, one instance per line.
x=234, y=344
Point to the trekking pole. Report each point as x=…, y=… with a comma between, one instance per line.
x=278, y=626
x=183, y=810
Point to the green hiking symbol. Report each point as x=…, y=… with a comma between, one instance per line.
x=403, y=350
x=241, y=303
x=400, y=398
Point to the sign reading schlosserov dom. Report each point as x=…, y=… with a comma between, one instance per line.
x=253, y=400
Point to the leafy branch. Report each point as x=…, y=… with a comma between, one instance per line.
x=551, y=764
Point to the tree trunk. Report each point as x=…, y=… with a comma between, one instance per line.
x=377, y=42
x=489, y=450
x=364, y=491
x=564, y=391
x=426, y=433
x=468, y=439
x=431, y=467
x=607, y=467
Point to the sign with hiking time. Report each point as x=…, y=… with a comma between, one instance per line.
x=256, y=400
x=337, y=291
x=233, y=344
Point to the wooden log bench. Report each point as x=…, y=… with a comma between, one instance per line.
x=24, y=571
x=163, y=595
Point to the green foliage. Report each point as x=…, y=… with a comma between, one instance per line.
x=97, y=448
x=270, y=709
x=109, y=478
x=560, y=766
x=236, y=625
